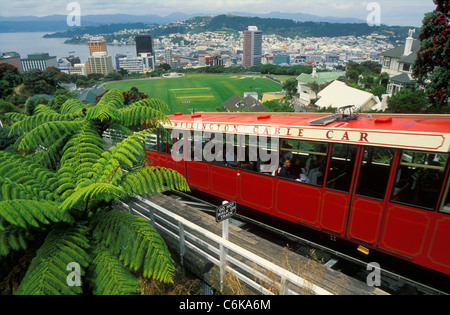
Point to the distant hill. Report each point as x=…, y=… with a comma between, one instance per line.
x=157, y=26
x=281, y=27
x=54, y=23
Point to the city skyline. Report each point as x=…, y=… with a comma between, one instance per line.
x=401, y=12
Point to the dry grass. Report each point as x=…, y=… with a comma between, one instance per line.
x=182, y=286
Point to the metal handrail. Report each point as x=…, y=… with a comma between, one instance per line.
x=188, y=240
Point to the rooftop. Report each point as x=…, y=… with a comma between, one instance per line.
x=320, y=77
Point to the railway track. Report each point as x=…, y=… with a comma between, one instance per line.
x=327, y=250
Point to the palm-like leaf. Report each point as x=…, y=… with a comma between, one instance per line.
x=26, y=213
x=111, y=277
x=47, y=274
x=67, y=170
x=137, y=244
x=149, y=111
x=108, y=107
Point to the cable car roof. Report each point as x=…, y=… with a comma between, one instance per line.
x=421, y=132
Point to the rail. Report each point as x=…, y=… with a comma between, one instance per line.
x=218, y=251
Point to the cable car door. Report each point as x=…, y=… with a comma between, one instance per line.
x=336, y=198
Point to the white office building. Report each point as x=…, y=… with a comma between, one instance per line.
x=132, y=64
x=100, y=62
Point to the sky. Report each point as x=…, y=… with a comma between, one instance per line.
x=390, y=12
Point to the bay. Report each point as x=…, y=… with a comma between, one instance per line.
x=29, y=43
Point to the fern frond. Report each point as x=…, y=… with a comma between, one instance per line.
x=13, y=238
x=72, y=106
x=110, y=276
x=81, y=152
x=46, y=134
x=151, y=180
x=137, y=243
x=48, y=274
x=30, y=122
x=50, y=157
x=126, y=153
x=16, y=117
x=93, y=192
x=150, y=111
x=107, y=108
x=44, y=109
x=26, y=213
x=11, y=190
x=17, y=170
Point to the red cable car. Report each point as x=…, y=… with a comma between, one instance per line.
x=381, y=181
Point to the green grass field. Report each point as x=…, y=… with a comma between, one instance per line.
x=199, y=92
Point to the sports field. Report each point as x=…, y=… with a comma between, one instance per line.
x=199, y=92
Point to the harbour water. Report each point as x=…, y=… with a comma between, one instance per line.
x=29, y=43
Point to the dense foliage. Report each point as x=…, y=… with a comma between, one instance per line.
x=57, y=196
x=432, y=66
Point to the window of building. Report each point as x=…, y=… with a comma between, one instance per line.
x=419, y=178
x=387, y=62
x=374, y=172
x=307, y=161
x=406, y=67
x=341, y=168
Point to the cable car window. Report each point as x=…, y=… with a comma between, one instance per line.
x=445, y=207
x=177, y=149
x=158, y=140
x=260, y=154
x=151, y=142
x=196, y=142
x=374, y=172
x=342, y=165
x=303, y=161
x=164, y=138
x=419, y=178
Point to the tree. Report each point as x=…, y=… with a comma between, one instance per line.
x=432, y=66
x=407, y=101
x=58, y=192
x=10, y=77
x=291, y=86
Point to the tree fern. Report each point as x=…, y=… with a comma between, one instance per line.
x=24, y=175
x=79, y=155
x=150, y=180
x=46, y=134
x=13, y=238
x=44, y=109
x=27, y=213
x=93, y=192
x=126, y=153
x=47, y=274
x=72, y=106
x=60, y=186
x=150, y=111
x=107, y=108
x=137, y=244
x=110, y=276
x=28, y=123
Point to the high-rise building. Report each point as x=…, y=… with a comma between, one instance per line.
x=168, y=56
x=39, y=61
x=144, y=45
x=101, y=63
x=97, y=44
x=252, y=47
